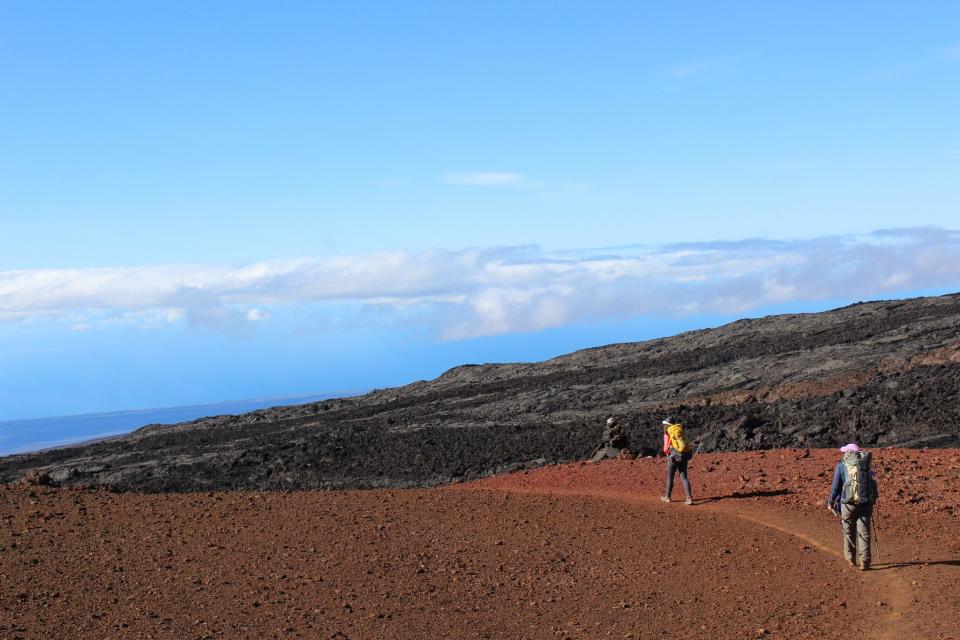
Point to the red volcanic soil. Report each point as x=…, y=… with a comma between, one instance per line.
x=571, y=551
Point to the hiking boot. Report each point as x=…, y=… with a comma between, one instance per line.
x=665, y=499
x=688, y=501
x=851, y=562
x=864, y=565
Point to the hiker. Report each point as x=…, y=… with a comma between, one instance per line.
x=678, y=451
x=852, y=496
x=612, y=442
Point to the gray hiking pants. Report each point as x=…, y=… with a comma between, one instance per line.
x=855, y=519
x=672, y=467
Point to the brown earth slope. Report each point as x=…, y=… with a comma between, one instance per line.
x=571, y=551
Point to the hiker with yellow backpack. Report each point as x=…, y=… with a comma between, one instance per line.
x=678, y=451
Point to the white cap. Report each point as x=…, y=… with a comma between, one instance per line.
x=611, y=420
x=667, y=421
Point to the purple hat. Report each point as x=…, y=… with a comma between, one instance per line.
x=847, y=448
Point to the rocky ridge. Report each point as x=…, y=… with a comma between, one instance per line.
x=882, y=373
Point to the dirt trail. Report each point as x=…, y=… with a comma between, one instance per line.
x=917, y=567
x=894, y=590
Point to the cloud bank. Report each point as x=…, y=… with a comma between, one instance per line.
x=478, y=292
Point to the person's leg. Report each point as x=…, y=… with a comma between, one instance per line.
x=848, y=525
x=864, y=521
x=671, y=470
x=682, y=468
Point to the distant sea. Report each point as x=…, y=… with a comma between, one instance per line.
x=20, y=436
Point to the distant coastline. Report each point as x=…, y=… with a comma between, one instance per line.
x=37, y=434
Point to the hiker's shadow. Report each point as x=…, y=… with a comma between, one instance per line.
x=914, y=563
x=739, y=495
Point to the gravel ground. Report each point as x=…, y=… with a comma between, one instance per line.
x=565, y=551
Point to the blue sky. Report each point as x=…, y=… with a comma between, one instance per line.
x=212, y=201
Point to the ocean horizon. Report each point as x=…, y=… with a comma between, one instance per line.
x=37, y=434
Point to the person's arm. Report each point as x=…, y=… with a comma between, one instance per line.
x=666, y=444
x=837, y=487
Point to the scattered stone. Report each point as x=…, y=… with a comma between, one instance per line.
x=38, y=478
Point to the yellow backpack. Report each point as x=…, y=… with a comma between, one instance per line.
x=678, y=441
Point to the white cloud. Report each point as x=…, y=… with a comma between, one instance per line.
x=486, y=179
x=485, y=292
x=256, y=315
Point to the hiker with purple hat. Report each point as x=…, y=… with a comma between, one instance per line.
x=852, y=496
